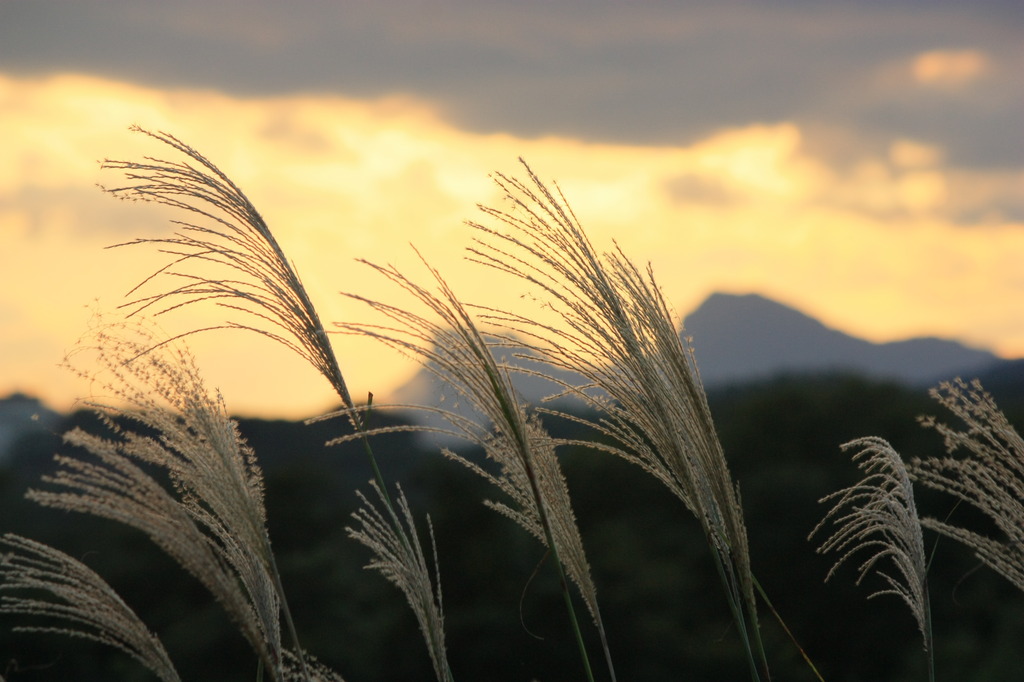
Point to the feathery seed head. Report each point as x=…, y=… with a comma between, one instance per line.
x=617, y=331
x=399, y=557
x=213, y=521
x=69, y=592
x=878, y=515
x=229, y=256
x=451, y=345
x=989, y=476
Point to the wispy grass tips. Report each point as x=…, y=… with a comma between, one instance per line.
x=212, y=521
x=988, y=474
x=878, y=516
x=249, y=274
x=401, y=560
x=68, y=591
x=616, y=330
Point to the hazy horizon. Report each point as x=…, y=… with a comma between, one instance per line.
x=384, y=398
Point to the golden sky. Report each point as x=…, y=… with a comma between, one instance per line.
x=884, y=236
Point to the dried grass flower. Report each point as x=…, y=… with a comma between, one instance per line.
x=988, y=475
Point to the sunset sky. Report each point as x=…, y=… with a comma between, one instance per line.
x=861, y=161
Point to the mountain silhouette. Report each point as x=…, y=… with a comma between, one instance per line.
x=740, y=338
x=737, y=339
x=23, y=416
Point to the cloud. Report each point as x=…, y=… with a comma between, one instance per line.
x=659, y=73
x=913, y=154
x=950, y=69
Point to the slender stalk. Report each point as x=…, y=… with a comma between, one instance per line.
x=778, y=617
x=733, y=599
x=929, y=645
x=513, y=417
x=288, y=615
x=236, y=238
x=456, y=351
x=564, y=583
x=361, y=423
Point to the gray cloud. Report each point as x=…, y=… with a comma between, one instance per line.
x=643, y=73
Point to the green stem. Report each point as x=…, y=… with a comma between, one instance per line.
x=287, y=615
x=361, y=425
x=604, y=645
x=733, y=598
x=518, y=430
x=929, y=644
x=767, y=601
x=567, y=595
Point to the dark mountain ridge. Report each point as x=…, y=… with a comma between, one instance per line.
x=750, y=338
x=739, y=338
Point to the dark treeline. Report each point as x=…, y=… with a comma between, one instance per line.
x=660, y=596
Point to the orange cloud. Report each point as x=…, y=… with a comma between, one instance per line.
x=950, y=69
x=912, y=154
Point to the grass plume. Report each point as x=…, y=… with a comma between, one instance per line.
x=250, y=274
x=617, y=331
x=989, y=476
x=878, y=516
x=453, y=348
x=77, y=598
x=405, y=565
x=213, y=522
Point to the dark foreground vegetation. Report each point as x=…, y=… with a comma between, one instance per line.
x=661, y=600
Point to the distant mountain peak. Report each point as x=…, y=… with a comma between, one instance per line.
x=744, y=337
x=740, y=338
x=21, y=415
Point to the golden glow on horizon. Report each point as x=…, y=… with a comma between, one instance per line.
x=871, y=249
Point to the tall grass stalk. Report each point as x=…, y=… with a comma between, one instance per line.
x=879, y=516
x=251, y=275
x=617, y=331
x=451, y=346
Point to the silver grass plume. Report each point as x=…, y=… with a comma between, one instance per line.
x=79, y=599
x=989, y=476
x=404, y=564
x=878, y=516
x=452, y=347
x=213, y=523
x=251, y=274
x=617, y=331
x=230, y=256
